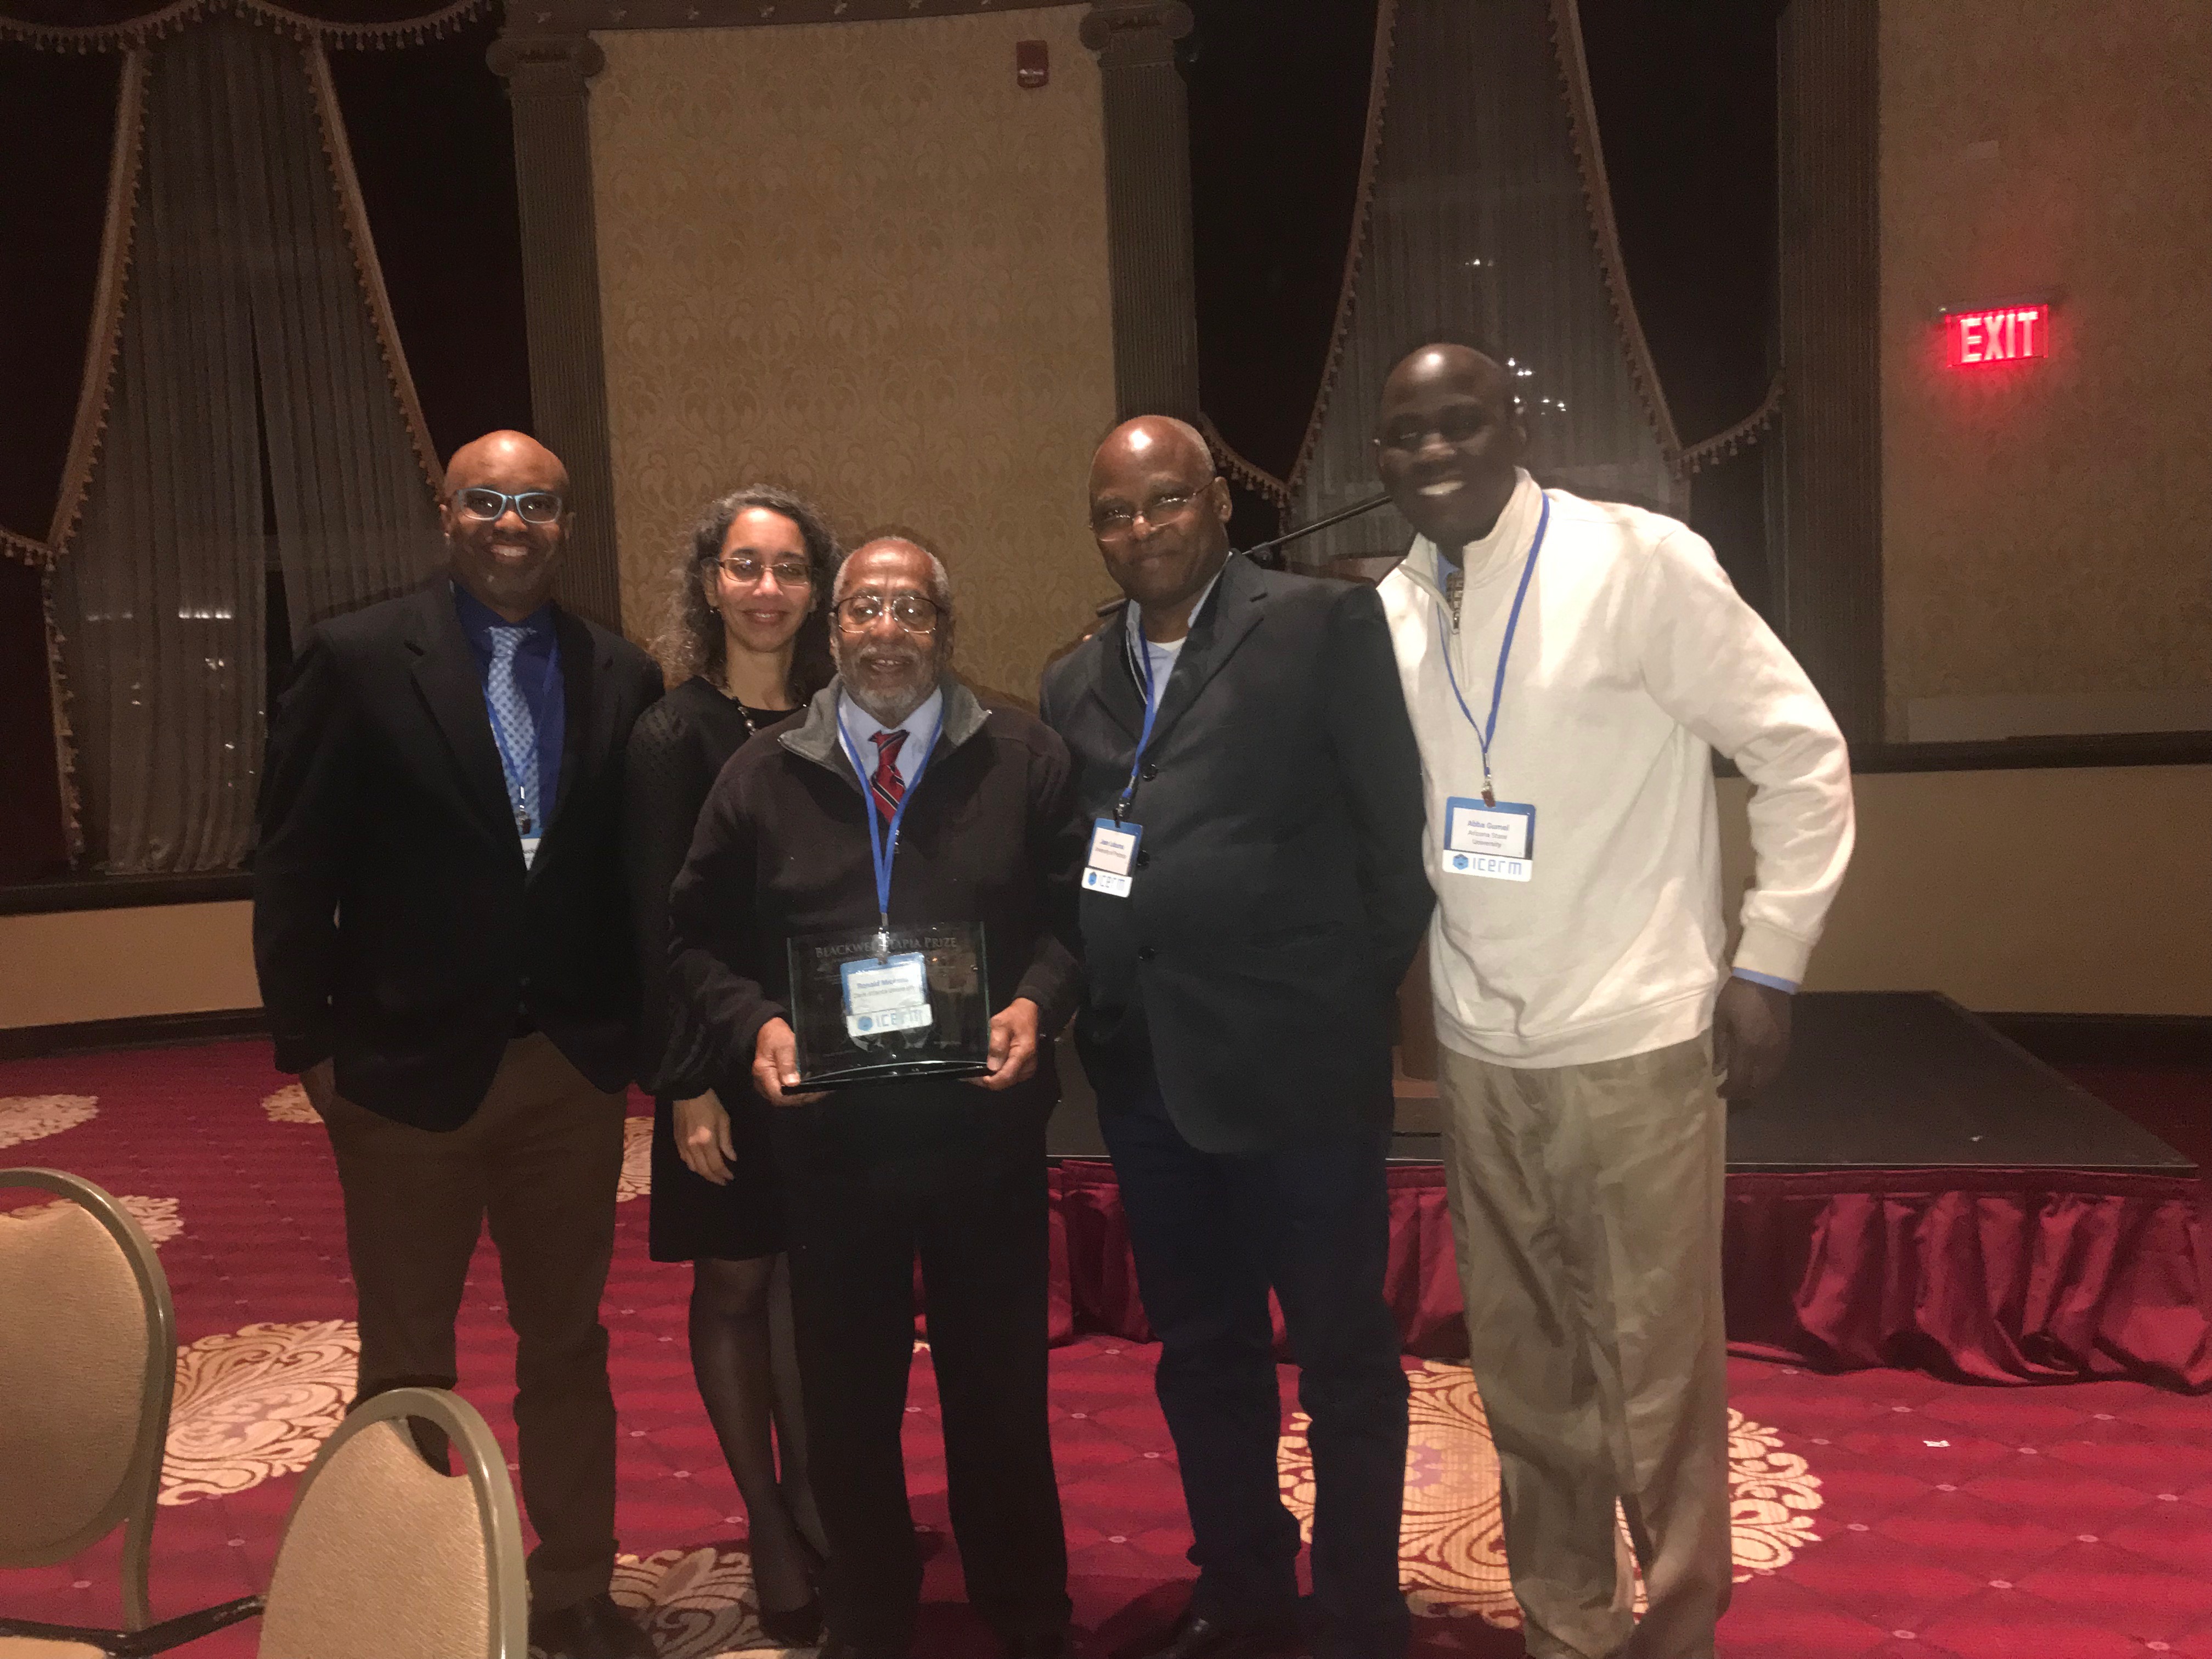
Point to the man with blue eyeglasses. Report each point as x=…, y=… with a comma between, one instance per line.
x=442, y=937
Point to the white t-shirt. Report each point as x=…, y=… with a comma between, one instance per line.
x=1163, y=657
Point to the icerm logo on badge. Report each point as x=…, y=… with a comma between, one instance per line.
x=1487, y=864
x=1494, y=840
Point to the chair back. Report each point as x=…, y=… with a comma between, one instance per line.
x=384, y=1558
x=88, y=1366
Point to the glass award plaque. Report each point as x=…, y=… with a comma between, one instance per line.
x=878, y=1008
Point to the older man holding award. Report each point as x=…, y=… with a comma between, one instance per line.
x=871, y=923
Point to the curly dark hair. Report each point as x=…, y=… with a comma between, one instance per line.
x=691, y=640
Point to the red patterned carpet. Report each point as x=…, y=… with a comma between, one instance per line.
x=1881, y=1512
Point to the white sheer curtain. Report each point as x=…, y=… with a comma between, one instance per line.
x=1478, y=230
x=245, y=331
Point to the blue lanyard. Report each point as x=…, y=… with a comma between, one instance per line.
x=507, y=749
x=882, y=847
x=1483, y=734
x=1152, y=699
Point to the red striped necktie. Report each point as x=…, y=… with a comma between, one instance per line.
x=886, y=786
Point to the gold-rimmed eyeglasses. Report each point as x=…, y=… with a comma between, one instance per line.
x=857, y=612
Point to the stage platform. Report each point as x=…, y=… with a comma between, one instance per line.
x=1876, y=1080
x=1917, y=1192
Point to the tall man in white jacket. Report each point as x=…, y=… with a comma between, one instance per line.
x=1571, y=666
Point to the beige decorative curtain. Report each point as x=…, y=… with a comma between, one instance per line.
x=1484, y=215
x=160, y=20
x=258, y=416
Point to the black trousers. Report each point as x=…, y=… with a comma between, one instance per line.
x=969, y=1200
x=1212, y=1234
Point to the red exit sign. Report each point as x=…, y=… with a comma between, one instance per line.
x=2000, y=334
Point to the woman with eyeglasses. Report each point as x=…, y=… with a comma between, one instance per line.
x=746, y=643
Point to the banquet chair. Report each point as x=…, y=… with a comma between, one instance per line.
x=385, y=1557
x=88, y=1366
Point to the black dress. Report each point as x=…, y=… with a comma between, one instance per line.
x=676, y=750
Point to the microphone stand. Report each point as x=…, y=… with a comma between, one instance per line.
x=1267, y=554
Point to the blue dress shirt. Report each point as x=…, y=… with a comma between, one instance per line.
x=1788, y=985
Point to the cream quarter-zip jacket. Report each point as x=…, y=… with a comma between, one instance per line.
x=1633, y=662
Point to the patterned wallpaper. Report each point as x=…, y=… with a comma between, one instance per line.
x=856, y=260
x=2044, y=524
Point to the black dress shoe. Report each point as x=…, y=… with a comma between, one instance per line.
x=1048, y=1644
x=1194, y=1636
x=592, y=1629
x=834, y=1647
x=792, y=1627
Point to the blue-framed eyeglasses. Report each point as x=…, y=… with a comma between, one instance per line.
x=531, y=506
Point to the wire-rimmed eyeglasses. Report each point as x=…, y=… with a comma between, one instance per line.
x=859, y=612
x=747, y=571
x=1117, y=519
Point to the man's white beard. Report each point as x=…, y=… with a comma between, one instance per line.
x=890, y=710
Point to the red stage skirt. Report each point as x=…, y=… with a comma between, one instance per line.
x=1975, y=1275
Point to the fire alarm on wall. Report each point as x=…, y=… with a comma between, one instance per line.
x=1032, y=64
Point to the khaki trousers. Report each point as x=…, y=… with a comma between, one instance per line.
x=1586, y=1204
x=541, y=1159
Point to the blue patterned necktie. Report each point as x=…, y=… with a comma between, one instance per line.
x=516, y=730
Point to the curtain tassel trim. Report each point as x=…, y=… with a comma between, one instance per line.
x=65, y=734
x=1355, y=253
x=1254, y=476
x=368, y=270
x=103, y=343
x=1744, y=434
x=1573, y=70
x=167, y=20
x=105, y=340
x=23, y=550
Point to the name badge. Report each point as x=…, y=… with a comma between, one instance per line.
x=889, y=995
x=1499, y=842
x=1113, y=856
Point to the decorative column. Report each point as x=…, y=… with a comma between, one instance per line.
x=1827, y=594
x=548, y=81
x=1147, y=116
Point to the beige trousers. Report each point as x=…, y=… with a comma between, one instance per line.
x=1586, y=1205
